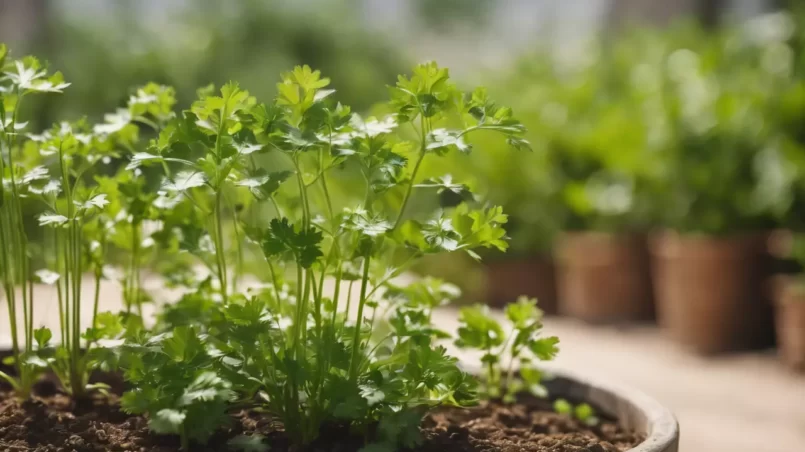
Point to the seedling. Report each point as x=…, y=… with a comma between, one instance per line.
x=520, y=343
x=583, y=412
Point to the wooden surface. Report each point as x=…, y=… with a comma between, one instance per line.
x=738, y=403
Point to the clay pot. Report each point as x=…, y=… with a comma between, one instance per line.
x=604, y=278
x=790, y=321
x=633, y=409
x=533, y=276
x=709, y=291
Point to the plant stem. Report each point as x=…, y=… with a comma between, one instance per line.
x=96, y=302
x=422, y=152
x=356, y=340
x=219, y=246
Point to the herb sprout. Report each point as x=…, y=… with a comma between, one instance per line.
x=523, y=346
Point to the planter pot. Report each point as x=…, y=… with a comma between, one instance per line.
x=709, y=291
x=535, y=277
x=633, y=409
x=604, y=278
x=790, y=322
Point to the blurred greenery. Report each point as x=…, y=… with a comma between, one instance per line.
x=697, y=130
x=683, y=128
x=209, y=41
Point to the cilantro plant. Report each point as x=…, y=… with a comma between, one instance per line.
x=522, y=346
x=184, y=397
x=80, y=226
x=307, y=359
x=19, y=180
x=287, y=346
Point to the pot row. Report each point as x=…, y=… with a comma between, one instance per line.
x=709, y=294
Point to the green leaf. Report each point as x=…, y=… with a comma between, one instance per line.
x=98, y=201
x=371, y=226
x=371, y=394
x=443, y=140
x=52, y=219
x=47, y=277
x=478, y=330
x=42, y=336
x=136, y=401
x=185, y=180
x=546, y=348
x=562, y=406
x=183, y=345
x=445, y=183
x=167, y=421
x=141, y=159
x=207, y=387
x=523, y=312
x=584, y=412
x=263, y=184
x=282, y=237
x=34, y=174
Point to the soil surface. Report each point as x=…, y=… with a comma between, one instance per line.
x=50, y=423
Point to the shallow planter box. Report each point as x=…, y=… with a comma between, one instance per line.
x=533, y=276
x=633, y=409
x=709, y=291
x=604, y=278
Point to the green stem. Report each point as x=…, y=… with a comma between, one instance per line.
x=96, y=301
x=298, y=321
x=349, y=299
x=407, y=196
x=356, y=340
x=218, y=233
x=56, y=265
x=8, y=282
x=324, y=182
x=239, y=250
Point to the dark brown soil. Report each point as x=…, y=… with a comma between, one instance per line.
x=50, y=423
x=528, y=426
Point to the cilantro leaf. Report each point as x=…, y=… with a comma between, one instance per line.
x=282, y=237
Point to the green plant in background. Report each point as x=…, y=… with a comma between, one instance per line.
x=521, y=344
x=20, y=179
x=717, y=102
x=207, y=42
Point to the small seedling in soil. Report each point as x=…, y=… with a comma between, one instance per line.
x=583, y=412
x=521, y=344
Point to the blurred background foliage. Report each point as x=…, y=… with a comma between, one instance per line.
x=644, y=115
x=194, y=44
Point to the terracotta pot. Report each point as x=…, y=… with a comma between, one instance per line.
x=604, y=278
x=790, y=322
x=535, y=276
x=709, y=291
